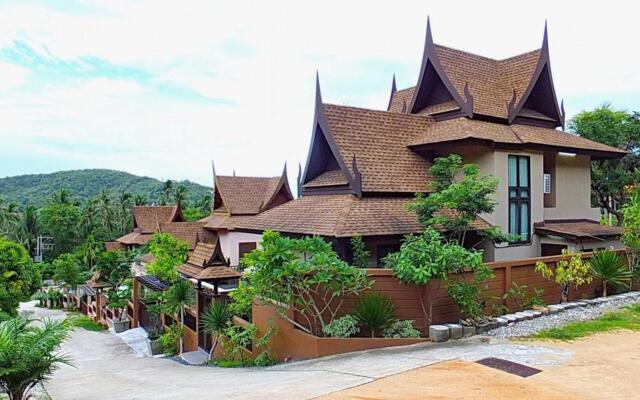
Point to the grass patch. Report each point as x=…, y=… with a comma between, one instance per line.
x=84, y=322
x=227, y=363
x=626, y=318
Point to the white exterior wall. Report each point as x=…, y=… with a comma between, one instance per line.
x=229, y=241
x=573, y=190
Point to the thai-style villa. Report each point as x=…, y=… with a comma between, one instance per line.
x=364, y=166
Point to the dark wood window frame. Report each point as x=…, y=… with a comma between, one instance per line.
x=246, y=247
x=518, y=199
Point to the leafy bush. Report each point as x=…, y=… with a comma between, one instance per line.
x=375, y=311
x=609, y=267
x=401, y=329
x=571, y=270
x=519, y=295
x=360, y=252
x=214, y=320
x=168, y=253
x=343, y=327
x=170, y=339
x=242, y=299
x=305, y=275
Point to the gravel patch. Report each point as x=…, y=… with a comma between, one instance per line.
x=588, y=312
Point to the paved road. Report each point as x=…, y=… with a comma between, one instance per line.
x=106, y=368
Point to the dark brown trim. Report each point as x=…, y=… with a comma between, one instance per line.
x=429, y=56
x=449, y=115
x=393, y=92
x=320, y=121
x=282, y=183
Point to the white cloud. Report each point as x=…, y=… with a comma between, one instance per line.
x=268, y=77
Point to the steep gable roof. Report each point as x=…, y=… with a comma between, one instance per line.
x=480, y=85
x=185, y=231
x=148, y=218
x=243, y=195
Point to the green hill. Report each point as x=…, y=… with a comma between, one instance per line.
x=83, y=184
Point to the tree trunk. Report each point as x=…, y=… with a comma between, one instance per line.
x=604, y=289
x=213, y=348
x=181, y=329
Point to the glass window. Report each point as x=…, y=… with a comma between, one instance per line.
x=519, y=198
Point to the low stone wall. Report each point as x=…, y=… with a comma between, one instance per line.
x=290, y=343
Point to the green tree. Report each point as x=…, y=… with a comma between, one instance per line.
x=114, y=267
x=67, y=271
x=360, y=252
x=88, y=218
x=125, y=216
x=60, y=220
x=167, y=192
x=631, y=231
x=105, y=210
x=139, y=199
x=571, y=270
x=609, y=178
x=29, y=354
x=9, y=217
x=27, y=231
x=168, y=253
x=609, y=267
x=177, y=298
x=18, y=278
x=180, y=195
x=88, y=252
x=305, y=274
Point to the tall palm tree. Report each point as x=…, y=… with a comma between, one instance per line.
x=9, y=217
x=178, y=298
x=27, y=232
x=180, y=195
x=205, y=203
x=88, y=216
x=124, y=210
x=167, y=192
x=63, y=196
x=105, y=209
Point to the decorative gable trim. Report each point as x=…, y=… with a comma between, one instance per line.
x=283, y=185
x=394, y=89
x=542, y=71
x=430, y=58
x=321, y=126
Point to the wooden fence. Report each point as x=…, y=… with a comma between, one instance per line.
x=406, y=297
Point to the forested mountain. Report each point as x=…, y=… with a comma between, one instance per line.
x=87, y=183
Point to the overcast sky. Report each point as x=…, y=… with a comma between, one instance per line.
x=160, y=88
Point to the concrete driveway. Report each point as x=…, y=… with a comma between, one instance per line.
x=106, y=368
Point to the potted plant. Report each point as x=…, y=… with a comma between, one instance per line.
x=118, y=300
x=155, y=344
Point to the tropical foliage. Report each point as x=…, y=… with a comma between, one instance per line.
x=168, y=252
x=177, y=298
x=343, y=327
x=360, y=252
x=610, y=268
x=29, y=354
x=610, y=178
x=401, y=329
x=305, y=274
x=631, y=232
x=572, y=270
x=375, y=311
x=214, y=321
x=18, y=278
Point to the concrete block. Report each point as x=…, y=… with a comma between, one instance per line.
x=510, y=318
x=581, y=303
x=536, y=314
x=455, y=330
x=502, y=322
x=468, y=330
x=439, y=333
x=555, y=308
x=493, y=324
x=529, y=314
x=522, y=316
x=482, y=328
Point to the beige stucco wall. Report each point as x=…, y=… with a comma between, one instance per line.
x=229, y=241
x=573, y=190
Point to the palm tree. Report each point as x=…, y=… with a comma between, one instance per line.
x=124, y=209
x=167, y=191
x=88, y=217
x=180, y=195
x=9, y=217
x=27, y=232
x=63, y=196
x=105, y=209
x=28, y=354
x=214, y=320
x=205, y=203
x=178, y=298
x=139, y=199
x=610, y=269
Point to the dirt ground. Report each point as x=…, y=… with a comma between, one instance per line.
x=604, y=366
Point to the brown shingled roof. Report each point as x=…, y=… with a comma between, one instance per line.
x=516, y=134
x=206, y=263
x=577, y=229
x=185, y=231
x=328, y=178
x=135, y=238
x=339, y=216
x=247, y=195
x=148, y=218
x=378, y=139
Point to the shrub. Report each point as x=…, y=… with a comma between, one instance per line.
x=519, y=295
x=374, y=311
x=170, y=339
x=84, y=322
x=401, y=329
x=343, y=327
x=610, y=269
x=214, y=320
x=571, y=270
x=360, y=252
x=242, y=299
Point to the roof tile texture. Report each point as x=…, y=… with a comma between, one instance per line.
x=246, y=195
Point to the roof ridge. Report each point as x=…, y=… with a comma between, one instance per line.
x=496, y=60
x=385, y=112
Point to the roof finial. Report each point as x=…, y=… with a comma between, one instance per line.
x=318, y=94
x=511, y=107
x=429, y=38
x=284, y=170
x=393, y=91
x=234, y=172
x=562, y=113
x=357, y=177
x=299, y=180
x=213, y=188
x=545, y=38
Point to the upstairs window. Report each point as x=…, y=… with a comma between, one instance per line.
x=519, y=198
